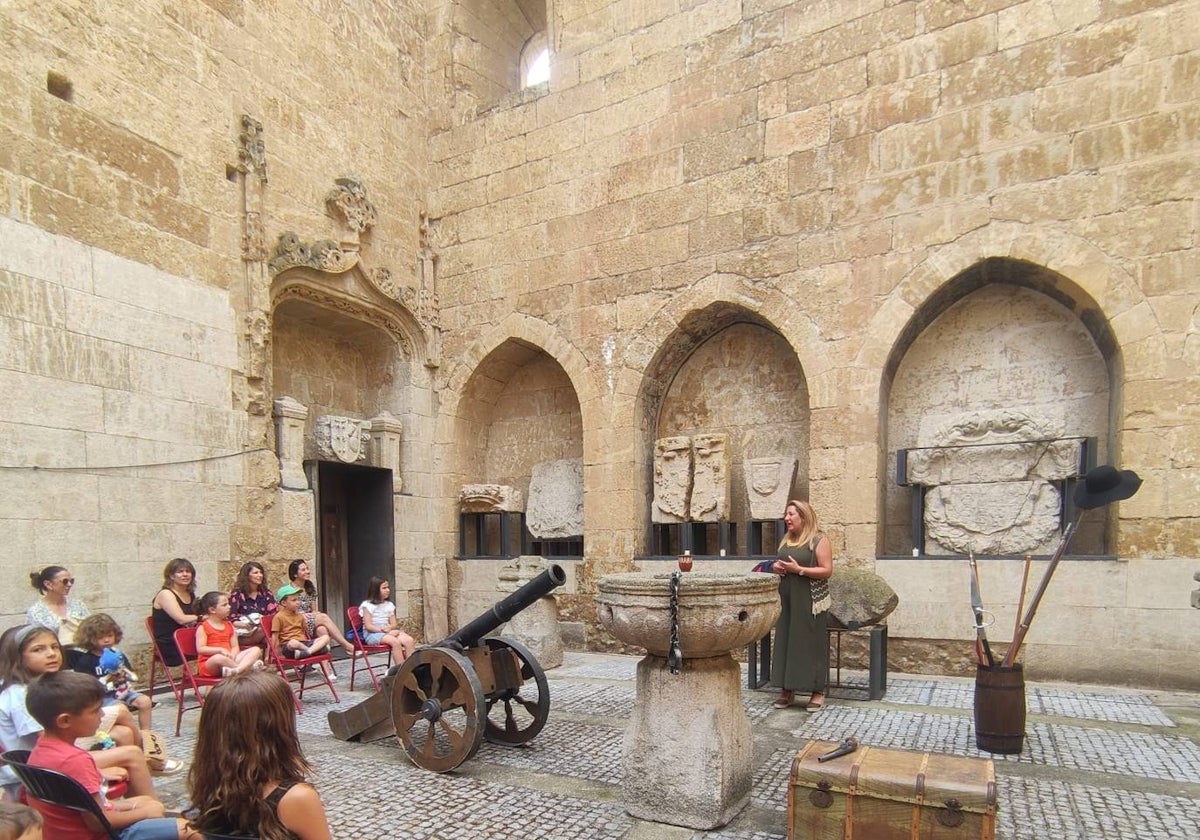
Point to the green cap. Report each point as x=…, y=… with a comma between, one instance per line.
x=286, y=590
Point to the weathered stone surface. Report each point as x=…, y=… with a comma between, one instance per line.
x=769, y=485
x=536, y=627
x=490, y=498
x=860, y=598
x=344, y=439
x=555, y=507
x=672, y=479
x=710, y=478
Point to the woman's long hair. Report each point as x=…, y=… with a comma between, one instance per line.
x=242, y=583
x=174, y=566
x=13, y=644
x=245, y=742
x=809, y=528
x=294, y=569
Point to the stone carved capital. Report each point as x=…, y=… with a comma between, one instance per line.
x=343, y=438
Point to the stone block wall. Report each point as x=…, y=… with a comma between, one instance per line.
x=836, y=171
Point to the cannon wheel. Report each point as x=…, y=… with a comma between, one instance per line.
x=516, y=716
x=437, y=708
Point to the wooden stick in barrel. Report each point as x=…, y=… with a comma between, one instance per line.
x=1021, y=600
x=1019, y=637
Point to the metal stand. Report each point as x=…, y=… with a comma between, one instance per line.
x=758, y=660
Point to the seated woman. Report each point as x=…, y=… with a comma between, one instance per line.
x=319, y=624
x=249, y=598
x=261, y=791
x=56, y=608
x=174, y=606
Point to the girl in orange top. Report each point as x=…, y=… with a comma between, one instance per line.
x=216, y=640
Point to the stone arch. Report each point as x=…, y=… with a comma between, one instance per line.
x=1087, y=288
x=723, y=314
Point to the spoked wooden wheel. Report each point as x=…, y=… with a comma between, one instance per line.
x=437, y=708
x=516, y=715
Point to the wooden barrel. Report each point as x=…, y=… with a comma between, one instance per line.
x=1000, y=709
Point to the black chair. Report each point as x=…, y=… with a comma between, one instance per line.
x=55, y=788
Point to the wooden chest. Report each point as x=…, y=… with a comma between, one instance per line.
x=878, y=794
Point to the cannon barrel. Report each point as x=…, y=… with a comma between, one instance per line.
x=469, y=634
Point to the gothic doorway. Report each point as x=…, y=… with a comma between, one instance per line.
x=355, y=533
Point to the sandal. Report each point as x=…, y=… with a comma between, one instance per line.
x=168, y=766
x=815, y=704
x=784, y=700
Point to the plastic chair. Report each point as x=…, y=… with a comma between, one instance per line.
x=185, y=640
x=297, y=666
x=362, y=650
x=56, y=788
x=157, y=659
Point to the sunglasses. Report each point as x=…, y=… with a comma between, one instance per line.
x=67, y=581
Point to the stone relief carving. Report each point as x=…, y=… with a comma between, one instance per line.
x=989, y=480
x=769, y=484
x=252, y=154
x=326, y=255
x=343, y=438
x=672, y=479
x=348, y=201
x=490, y=498
x=389, y=325
x=555, y=508
x=254, y=237
x=710, y=478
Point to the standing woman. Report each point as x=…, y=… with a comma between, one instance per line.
x=56, y=608
x=800, y=660
x=174, y=606
x=250, y=596
x=317, y=622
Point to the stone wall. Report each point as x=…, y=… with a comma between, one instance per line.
x=842, y=175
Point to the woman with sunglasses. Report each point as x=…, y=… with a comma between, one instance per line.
x=56, y=609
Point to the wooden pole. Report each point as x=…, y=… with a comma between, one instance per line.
x=1019, y=638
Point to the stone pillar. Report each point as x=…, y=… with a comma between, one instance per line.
x=386, y=431
x=435, y=598
x=689, y=749
x=536, y=626
x=289, y=443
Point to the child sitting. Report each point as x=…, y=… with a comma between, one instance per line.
x=19, y=822
x=289, y=629
x=379, y=621
x=217, y=643
x=97, y=637
x=67, y=705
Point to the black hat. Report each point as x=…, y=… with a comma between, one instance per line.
x=1105, y=484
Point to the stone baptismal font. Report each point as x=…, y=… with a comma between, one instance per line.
x=688, y=749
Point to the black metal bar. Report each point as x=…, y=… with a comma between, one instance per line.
x=469, y=634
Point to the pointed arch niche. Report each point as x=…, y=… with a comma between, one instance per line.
x=518, y=410
x=1005, y=351
x=726, y=372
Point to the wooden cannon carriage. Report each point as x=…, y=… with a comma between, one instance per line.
x=447, y=697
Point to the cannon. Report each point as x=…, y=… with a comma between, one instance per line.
x=447, y=697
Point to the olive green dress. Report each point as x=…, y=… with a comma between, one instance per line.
x=800, y=656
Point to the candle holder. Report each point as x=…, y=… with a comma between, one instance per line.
x=685, y=561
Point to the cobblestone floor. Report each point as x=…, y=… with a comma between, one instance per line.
x=1098, y=763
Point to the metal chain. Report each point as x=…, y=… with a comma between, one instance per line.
x=675, y=656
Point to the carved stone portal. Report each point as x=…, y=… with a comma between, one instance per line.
x=555, y=509
x=490, y=498
x=343, y=438
x=672, y=479
x=769, y=485
x=710, y=478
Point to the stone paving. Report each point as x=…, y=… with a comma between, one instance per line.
x=1098, y=762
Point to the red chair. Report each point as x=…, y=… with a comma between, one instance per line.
x=297, y=666
x=363, y=651
x=185, y=640
x=157, y=659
